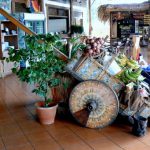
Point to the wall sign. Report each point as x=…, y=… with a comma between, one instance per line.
x=146, y=19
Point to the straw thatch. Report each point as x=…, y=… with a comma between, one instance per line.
x=105, y=10
x=103, y=13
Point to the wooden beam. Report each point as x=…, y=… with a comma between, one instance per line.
x=71, y=12
x=16, y=22
x=90, y=19
x=110, y=22
x=71, y=16
x=1, y=53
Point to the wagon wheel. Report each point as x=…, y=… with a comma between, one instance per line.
x=93, y=104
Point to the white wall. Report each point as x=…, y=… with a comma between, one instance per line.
x=53, y=3
x=57, y=25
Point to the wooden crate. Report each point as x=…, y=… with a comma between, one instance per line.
x=113, y=82
x=85, y=68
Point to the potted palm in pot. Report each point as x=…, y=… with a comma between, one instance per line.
x=43, y=65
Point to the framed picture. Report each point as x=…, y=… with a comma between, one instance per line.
x=26, y=6
x=6, y=5
x=19, y=6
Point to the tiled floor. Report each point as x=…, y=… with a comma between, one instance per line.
x=20, y=131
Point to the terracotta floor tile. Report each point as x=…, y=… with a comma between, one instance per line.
x=31, y=108
x=145, y=139
x=103, y=144
x=20, y=113
x=70, y=141
x=7, y=121
x=22, y=116
x=123, y=139
x=12, y=141
x=74, y=126
x=21, y=147
x=110, y=130
x=1, y=145
x=137, y=147
x=89, y=134
x=57, y=124
x=78, y=146
x=47, y=145
x=10, y=130
x=16, y=109
x=2, y=108
x=34, y=137
x=31, y=126
x=4, y=115
x=58, y=132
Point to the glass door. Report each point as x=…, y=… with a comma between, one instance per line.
x=30, y=25
x=39, y=27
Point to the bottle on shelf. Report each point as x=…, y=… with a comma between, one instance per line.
x=7, y=31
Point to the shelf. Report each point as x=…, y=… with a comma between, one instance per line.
x=55, y=16
x=3, y=21
x=10, y=35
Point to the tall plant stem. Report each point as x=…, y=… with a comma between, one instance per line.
x=45, y=98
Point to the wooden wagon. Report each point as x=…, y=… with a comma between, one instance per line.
x=94, y=101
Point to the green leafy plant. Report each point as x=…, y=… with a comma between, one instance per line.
x=43, y=64
x=73, y=45
x=62, y=47
x=77, y=29
x=76, y=45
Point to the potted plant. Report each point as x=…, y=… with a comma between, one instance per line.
x=43, y=65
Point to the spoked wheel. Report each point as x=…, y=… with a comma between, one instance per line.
x=93, y=104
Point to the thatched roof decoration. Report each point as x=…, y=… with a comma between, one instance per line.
x=105, y=10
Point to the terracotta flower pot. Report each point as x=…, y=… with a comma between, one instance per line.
x=46, y=115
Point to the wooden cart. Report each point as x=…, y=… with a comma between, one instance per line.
x=94, y=101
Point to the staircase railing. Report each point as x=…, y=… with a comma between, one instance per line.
x=16, y=22
x=25, y=29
